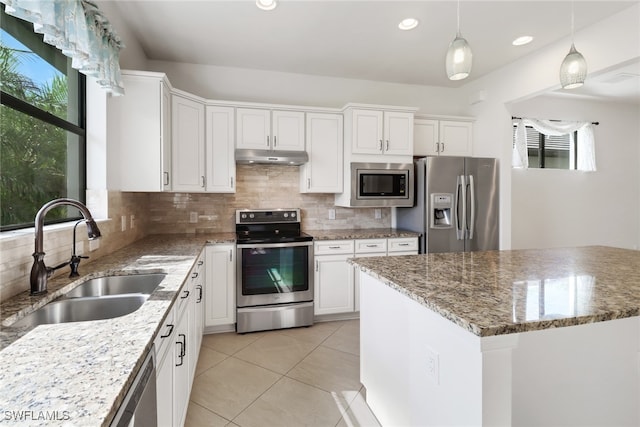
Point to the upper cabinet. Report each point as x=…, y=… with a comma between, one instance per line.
x=261, y=129
x=188, y=152
x=220, y=137
x=379, y=132
x=323, y=172
x=139, y=133
x=443, y=137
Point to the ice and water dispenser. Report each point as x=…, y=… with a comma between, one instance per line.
x=441, y=210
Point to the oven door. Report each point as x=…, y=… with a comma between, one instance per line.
x=274, y=273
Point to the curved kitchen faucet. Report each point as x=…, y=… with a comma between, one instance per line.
x=39, y=271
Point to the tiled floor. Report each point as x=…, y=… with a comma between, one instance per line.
x=288, y=377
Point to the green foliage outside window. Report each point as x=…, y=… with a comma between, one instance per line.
x=41, y=130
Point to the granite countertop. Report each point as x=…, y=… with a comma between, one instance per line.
x=503, y=292
x=366, y=233
x=78, y=372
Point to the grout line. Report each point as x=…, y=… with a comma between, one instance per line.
x=191, y=402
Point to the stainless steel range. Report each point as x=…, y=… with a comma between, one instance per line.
x=274, y=271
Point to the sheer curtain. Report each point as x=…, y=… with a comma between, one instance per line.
x=586, y=158
x=80, y=31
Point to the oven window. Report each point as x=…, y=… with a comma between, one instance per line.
x=274, y=270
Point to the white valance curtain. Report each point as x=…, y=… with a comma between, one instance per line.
x=586, y=156
x=80, y=31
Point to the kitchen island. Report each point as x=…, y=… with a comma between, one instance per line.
x=526, y=337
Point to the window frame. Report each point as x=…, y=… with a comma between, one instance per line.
x=573, y=162
x=79, y=130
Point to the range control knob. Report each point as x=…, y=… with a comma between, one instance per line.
x=293, y=214
x=251, y=215
x=243, y=216
x=286, y=215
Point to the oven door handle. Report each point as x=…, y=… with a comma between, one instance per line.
x=273, y=245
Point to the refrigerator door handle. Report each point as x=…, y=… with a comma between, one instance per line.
x=472, y=206
x=460, y=203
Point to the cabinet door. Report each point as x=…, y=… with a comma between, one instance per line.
x=181, y=374
x=287, y=130
x=323, y=172
x=164, y=388
x=455, y=138
x=398, y=133
x=425, y=137
x=221, y=164
x=367, y=132
x=136, y=134
x=166, y=137
x=334, y=285
x=188, y=145
x=253, y=128
x=220, y=303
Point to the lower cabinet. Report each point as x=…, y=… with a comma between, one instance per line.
x=177, y=348
x=337, y=288
x=220, y=301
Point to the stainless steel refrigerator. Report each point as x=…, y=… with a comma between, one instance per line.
x=456, y=204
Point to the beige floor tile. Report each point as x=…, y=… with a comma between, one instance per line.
x=346, y=338
x=314, y=334
x=198, y=416
x=359, y=414
x=230, y=342
x=329, y=369
x=292, y=403
x=208, y=358
x=276, y=352
x=230, y=386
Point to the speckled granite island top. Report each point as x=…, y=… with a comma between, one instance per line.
x=502, y=292
x=365, y=233
x=78, y=373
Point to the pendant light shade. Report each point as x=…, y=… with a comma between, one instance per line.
x=459, y=57
x=573, y=70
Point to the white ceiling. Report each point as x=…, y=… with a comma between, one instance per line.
x=353, y=39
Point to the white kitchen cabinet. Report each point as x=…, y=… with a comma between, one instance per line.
x=262, y=129
x=188, y=144
x=333, y=277
x=220, y=140
x=139, y=133
x=381, y=132
x=443, y=137
x=181, y=372
x=337, y=282
x=323, y=172
x=220, y=288
x=165, y=357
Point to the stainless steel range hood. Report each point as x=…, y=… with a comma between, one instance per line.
x=291, y=158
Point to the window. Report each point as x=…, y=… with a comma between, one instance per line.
x=550, y=152
x=42, y=127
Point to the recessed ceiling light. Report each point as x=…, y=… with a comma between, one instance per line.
x=522, y=40
x=408, y=24
x=266, y=4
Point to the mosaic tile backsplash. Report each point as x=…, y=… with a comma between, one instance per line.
x=258, y=187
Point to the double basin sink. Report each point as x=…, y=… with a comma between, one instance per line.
x=96, y=299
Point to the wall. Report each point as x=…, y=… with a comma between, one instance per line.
x=532, y=76
x=16, y=247
x=258, y=187
x=555, y=208
x=236, y=84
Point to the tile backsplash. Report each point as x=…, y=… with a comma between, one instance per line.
x=258, y=187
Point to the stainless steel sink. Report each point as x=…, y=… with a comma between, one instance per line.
x=114, y=285
x=82, y=309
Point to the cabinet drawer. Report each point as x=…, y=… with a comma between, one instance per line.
x=364, y=246
x=333, y=247
x=403, y=244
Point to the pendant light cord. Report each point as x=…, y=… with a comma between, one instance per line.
x=458, y=17
x=572, y=23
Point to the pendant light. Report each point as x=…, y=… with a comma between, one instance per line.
x=458, y=60
x=573, y=70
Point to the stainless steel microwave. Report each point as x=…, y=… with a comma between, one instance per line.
x=382, y=184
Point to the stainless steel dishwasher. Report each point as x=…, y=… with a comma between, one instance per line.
x=139, y=407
